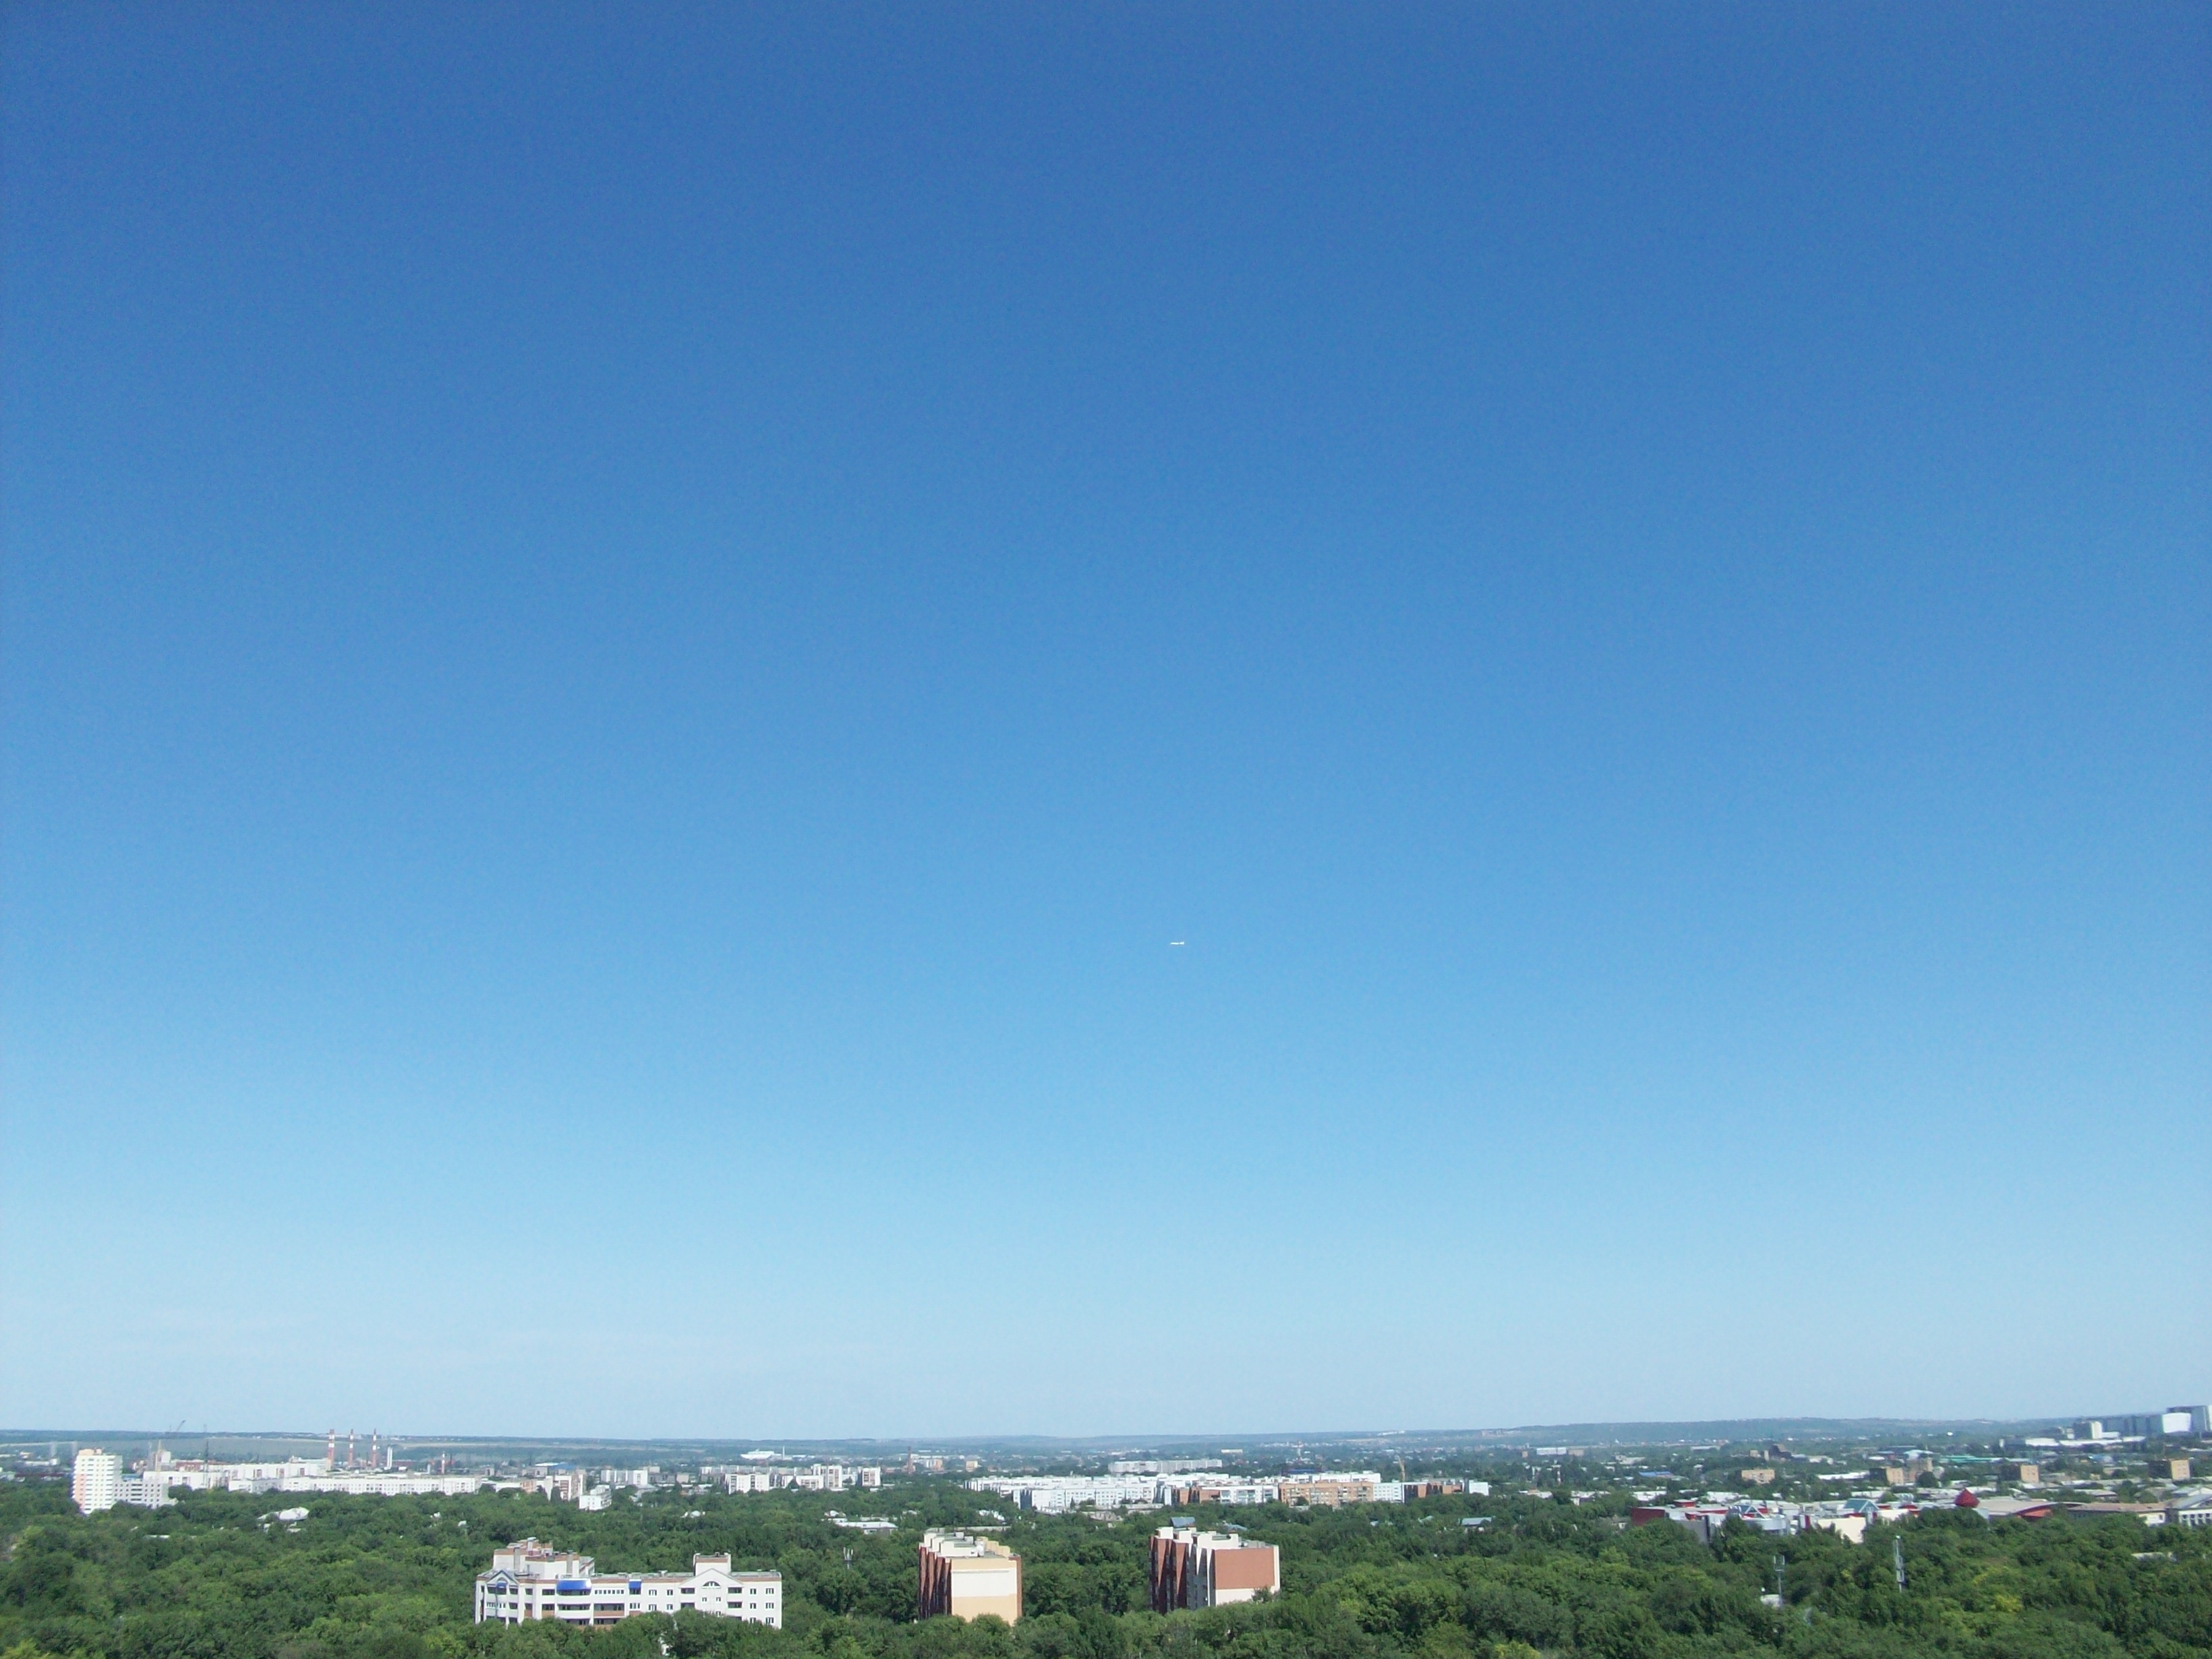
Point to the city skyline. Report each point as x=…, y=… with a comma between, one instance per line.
x=350, y=1449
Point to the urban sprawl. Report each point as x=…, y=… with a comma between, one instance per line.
x=2143, y=1466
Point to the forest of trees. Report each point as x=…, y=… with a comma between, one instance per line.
x=215, y=1577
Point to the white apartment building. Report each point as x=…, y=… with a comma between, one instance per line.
x=312, y=1474
x=195, y=1475
x=1054, y=1494
x=390, y=1484
x=1214, y=1490
x=149, y=1490
x=96, y=1482
x=99, y=1477
x=529, y=1581
x=812, y=1477
x=1161, y=1465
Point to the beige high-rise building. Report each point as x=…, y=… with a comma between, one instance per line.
x=96, y=1482
x=967, y=1576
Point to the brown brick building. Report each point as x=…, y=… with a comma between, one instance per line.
x=1194, y=1569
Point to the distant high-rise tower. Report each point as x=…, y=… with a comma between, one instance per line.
x=97, y=1481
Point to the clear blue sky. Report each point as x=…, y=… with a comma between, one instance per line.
x=628, y=632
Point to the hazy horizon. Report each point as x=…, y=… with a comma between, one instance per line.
x=1468, y=1439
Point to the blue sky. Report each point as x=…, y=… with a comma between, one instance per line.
x=627, y=633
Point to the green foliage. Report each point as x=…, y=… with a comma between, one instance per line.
x=216, y=1576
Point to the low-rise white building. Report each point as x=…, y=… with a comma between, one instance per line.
x=2191, y=1509
x=149, y=1491
x=528, y=1581
x=385, y=1485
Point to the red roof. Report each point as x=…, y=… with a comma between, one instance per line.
x=1967, y=1500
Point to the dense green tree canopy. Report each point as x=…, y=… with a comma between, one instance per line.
x=216, y=1577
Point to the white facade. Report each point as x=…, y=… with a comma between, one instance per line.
x=314, y=1474
x=1161, y=1465
x=811, y=1477
x=365, y=1485
x=96, y=1482
x=528, y=1581
x=1054, y=1494
x=1213, y=1491
x=153, y=1487
x=149, y=1490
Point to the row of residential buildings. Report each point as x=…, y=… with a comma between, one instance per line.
x=99, y=1481
x=1051, y=1494
x=1851, y=1519
x=805, y=1477
x=1161, y=1465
